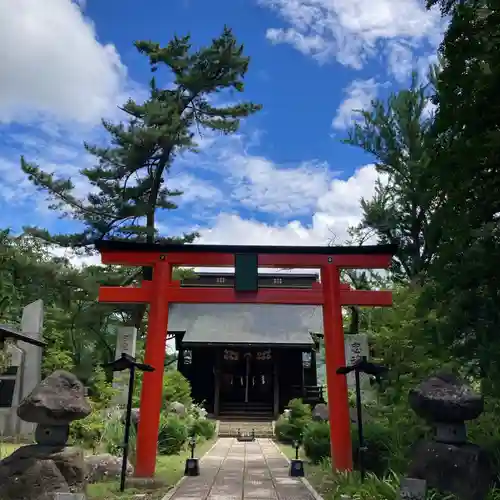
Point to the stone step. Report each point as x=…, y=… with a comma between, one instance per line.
x=231, y=429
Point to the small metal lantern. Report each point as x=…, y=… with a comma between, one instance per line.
x=192, y=445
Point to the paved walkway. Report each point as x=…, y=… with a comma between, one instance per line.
x=243, y=471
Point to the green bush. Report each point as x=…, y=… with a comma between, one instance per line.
x=485, y=432
x=349, y=484
x=299, y=410
x=284, y=430
x=113, y=434
x=203, y=428
x=390, y=434
x=177, y=388
x=172, y=435
x=292, y=428
x=317, y=441
x=378, y=441
x=88, y=432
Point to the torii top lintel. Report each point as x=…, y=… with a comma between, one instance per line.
x=144, y=254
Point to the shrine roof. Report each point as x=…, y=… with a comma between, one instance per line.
x=130, y=246
x=249, y=324
x=9, y=332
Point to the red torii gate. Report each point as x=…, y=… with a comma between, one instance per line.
x=331, y=294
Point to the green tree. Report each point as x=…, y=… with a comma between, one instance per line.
x=80, y=332
x=130, y=177
x=396, y=133
x=465, y=166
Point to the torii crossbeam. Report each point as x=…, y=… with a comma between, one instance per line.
x=331, y=294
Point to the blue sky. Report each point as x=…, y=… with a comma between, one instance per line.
x=285, y=178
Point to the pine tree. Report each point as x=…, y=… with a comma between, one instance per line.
x=129, y=179
x=396, y=133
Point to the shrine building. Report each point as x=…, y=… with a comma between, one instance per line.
x=248, y=360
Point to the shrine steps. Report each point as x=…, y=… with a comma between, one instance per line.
x=234, y=428
x=253, y=412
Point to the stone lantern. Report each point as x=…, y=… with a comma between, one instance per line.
x=448, y=462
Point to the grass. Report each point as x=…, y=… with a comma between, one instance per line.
x=320, y=476
x=7, y=448
x=169, y=471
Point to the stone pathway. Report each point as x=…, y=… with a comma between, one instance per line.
x=242, y=471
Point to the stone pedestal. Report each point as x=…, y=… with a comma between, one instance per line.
x=463, y=470
x=412, y=489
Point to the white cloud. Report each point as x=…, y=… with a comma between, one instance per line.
x=352, y=31
x=400, y=60
x=254, y=182
x=266, y=187
x=195, y=190
x=336, y=210
x=360, y=94
x=53, y=66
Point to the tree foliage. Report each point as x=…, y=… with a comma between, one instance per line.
x=466, y=277
x=396, y=133
x=129, y=183
x=80, y=331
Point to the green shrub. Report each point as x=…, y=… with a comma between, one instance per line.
x=102, y=390
x=203, y=428
x=177, y=388
x=299, y=410
x=378, y=440
x=284, y=430
x=88, y=432
x=292, y=428
x=172, y=435
x=113, y=434
x=317, y=441
x=390, y=434
x=349, y=484
x=485, y=431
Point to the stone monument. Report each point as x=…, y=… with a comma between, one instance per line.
x=448, y=462
x=31, y=373
x=125, y=343
x=23, y=373
x=356, y=346
x=39, y=471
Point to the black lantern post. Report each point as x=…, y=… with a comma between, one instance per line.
x=127, y=362
x=296, y=465
x=376, y=370
x=192, y=467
